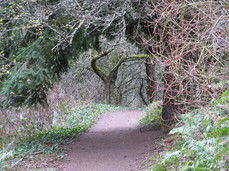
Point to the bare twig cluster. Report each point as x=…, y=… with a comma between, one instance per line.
x=190, y=39
x=67, y=18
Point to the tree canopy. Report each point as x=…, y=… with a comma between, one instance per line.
x=188, y=38
x=55, y=31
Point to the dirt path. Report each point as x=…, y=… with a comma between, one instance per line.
x=115, y=143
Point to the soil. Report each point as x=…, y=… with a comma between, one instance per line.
x=114, y=143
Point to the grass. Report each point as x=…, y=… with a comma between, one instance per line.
x=68, y=123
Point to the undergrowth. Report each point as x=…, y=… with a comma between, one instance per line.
x=201, y=141
x=68, y=123
x=151, y=117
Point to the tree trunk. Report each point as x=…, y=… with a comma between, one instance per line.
x=152, y=71
x=170, y=91
x=167, y=110
x=106, y=92
x=109, y=75
x=109, y=92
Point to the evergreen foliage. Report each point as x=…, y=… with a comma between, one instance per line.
x=43, y=45
x=38, y=66
x=29, y=78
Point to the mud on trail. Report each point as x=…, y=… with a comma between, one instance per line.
x=114, y=143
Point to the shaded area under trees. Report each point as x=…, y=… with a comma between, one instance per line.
x=109, y=75
x=64, y=29
x=188, y=38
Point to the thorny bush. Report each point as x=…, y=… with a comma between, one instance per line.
x=190, y=39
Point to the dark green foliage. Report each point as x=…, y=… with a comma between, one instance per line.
x=29, y=79
x=83, y=41
x=16, y=17
x=42, y=49
x=40, y=64
x=33, y=74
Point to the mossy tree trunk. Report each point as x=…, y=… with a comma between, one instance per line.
x=109, y=74
x=151, y=79
x=109, y=89
x=153, y=72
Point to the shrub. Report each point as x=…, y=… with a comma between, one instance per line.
x=202, y=140
x=152, y=116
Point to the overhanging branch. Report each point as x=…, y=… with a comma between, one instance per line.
x=95, y=68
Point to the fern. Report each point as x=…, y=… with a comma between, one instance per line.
x=224, y=98
x=203, y=144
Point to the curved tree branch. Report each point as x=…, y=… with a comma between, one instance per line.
x=95, y=67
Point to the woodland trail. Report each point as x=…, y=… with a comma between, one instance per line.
x=114, y=143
